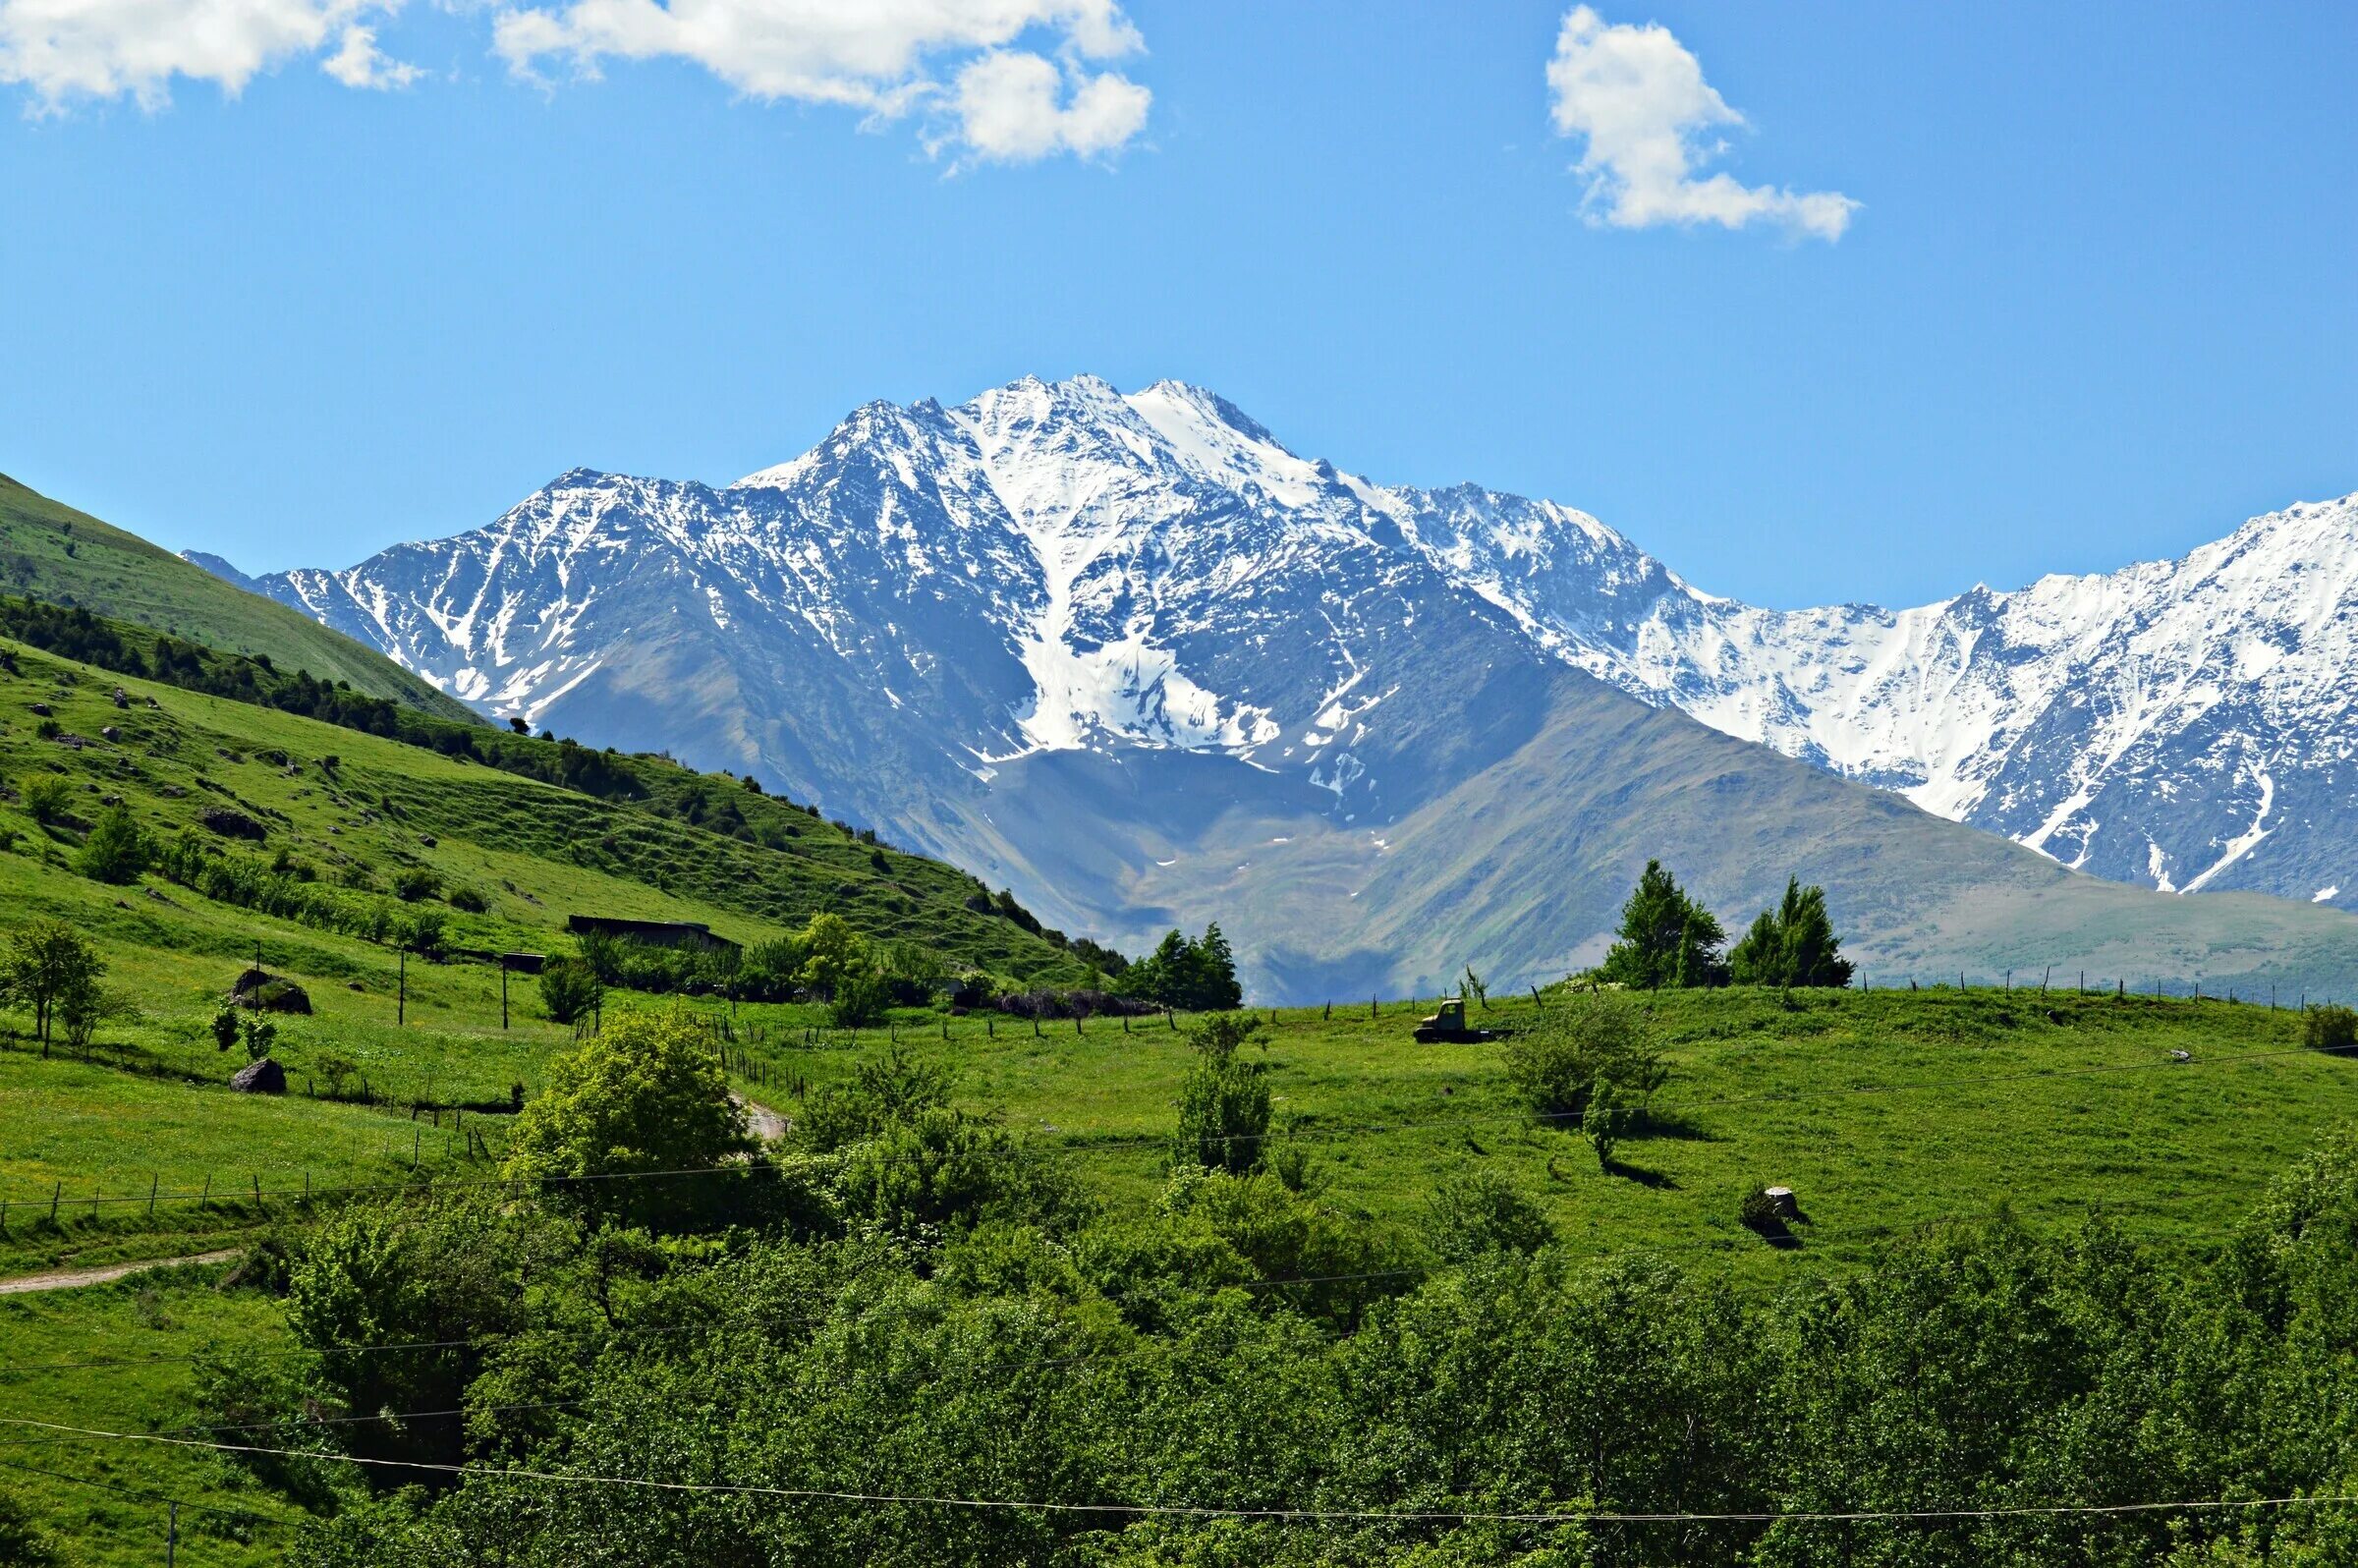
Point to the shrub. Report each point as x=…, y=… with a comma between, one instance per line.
x=117, y=850
x=569, y=989
x=466, y=901
x=1483, y=1211
x=413, y=884
x=858, y=1001
x=1605, y=1120
x=2331, y=1029
x=1556, y=1063
x=47, y=797
x=1223, y=1102
x=23, y=1544
x=225, y=1029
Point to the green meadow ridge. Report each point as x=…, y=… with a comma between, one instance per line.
x=50, y=551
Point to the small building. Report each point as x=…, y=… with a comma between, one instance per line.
x=653, y=934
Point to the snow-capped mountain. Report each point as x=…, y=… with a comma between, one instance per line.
x=1146, y=609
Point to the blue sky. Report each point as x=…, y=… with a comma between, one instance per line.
x=2094, y=301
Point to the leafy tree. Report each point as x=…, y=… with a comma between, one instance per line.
x=1556, y=1063
x=1223, y=1102
x=642, y=1096
x=833, y=952
x=48, y=798
x=569, y=989
x=1794, y=944
x=117, y=851
x=1666, y=938
x=1484, y=1211
x=51, y=968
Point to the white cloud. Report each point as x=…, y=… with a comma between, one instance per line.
x=957, y=65
x=1638, y=97
x=65, y=49
x=358, y=64
x=1013, y=106
x=879, y=56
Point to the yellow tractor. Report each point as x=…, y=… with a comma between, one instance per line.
x=1448, y=1026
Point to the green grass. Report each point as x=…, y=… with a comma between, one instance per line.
x=110, y=1512
x=51, y=551
x=1883, y=1110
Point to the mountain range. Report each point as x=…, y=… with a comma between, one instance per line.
x=1132, y=656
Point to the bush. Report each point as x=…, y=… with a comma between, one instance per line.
x=1223, y=1102
x=2331, y=1029
x=413, y=884
x=47, y=797
x=1483, y=1211
x=1605, y=1120
x=117, y=850
x=466, y=901
x=569, y=989
x=1555, y=1063
x=860, y=1002
x=21, y=1543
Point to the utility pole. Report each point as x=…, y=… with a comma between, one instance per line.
x=401, y=1005
x=172, y=1528
x=503, y=993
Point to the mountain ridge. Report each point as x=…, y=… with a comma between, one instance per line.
x=934, y=595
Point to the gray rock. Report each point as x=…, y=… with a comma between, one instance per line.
x=264, y=1077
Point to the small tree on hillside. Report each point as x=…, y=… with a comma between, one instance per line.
x=1556, y=1063
x=52, y=969
x=47, y=797
x=116, y=850
x=1223, y=1102
x=569, y=990
x=646, y=1095
x=1794, y=944
x=1666, y=938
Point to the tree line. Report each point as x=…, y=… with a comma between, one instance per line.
x=1666, y=941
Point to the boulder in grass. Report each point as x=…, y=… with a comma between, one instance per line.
x=264, y=1077
x=231, y=824
x=268, y=993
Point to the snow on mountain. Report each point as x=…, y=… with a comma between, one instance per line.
x=1057, y=567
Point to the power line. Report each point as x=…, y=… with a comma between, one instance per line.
x=1200, y=1511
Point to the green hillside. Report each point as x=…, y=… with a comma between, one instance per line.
x=1033, y=1300
x=50, y=551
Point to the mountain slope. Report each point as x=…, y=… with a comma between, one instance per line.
x=50, y=551
x=1088, y=642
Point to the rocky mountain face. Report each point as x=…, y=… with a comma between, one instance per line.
x=1134, y=657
